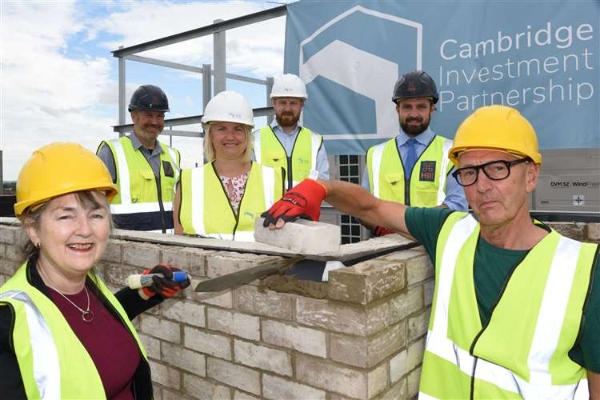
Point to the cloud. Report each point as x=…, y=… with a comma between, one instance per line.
x=59, y=80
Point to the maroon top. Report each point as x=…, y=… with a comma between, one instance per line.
x=109, y=343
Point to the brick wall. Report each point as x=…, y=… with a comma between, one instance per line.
x=363, y=340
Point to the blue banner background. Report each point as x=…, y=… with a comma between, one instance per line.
x=542, y=58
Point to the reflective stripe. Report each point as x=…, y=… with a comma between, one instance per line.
x=444, y=171
x=173, y=156
x=137, y=208
x=243, y=236
x=197, y=186
x=459, y=234
x=46, y=368
x=167, y=231
x=315, y=142
x=377, y=156
x=552, y=310
x=123, y=173
x=257, y=149
x=268, y=176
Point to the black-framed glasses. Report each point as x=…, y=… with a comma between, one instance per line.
x=495, y=170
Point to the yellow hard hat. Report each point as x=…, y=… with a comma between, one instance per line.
x=499, y=128
x=57, y=169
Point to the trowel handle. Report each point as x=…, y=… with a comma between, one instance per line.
x=139, y=280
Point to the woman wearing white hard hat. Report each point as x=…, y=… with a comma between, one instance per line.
x=222, y=198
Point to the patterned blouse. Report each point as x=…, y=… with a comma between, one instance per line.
x=234, y=187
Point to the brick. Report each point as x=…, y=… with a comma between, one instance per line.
x=209, y=343
x=399, y=366
x=233, y=323
x=141, y=255
x=351, y=350
x=165, y=376
x=377, y=380
x=417, y=325
x=366, y=282
x=593, y=232
x=201, y=388
x=428, y=288
x=8, y=268
x=271, y=304
x=367, y=352
x=397, y=391
x=117, y=274
x=238, y=376
x=238, y=395
x=187, y=360
x=114, y=251
x=304, y=340
x=11, y=234
x=221, y=299
x=331, y=377
x=336, y=317
x=223, y=263
x=301, y=237
x=184, y=312
x=262, y=357
x=396, y=309
x=277, y=388
x=152, y=346
x=413, y=383
x=418, y=268
x=13, y=253
x=160, y=329
x=415, y=354
x=190, y=259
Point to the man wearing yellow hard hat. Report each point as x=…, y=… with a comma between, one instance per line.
x=516, y=305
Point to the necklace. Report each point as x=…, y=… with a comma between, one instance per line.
x=86, y=315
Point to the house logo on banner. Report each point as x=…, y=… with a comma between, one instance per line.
x=371, y=75
x=350, y=54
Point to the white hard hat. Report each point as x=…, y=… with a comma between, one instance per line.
x=289, y=85
x=229, y=106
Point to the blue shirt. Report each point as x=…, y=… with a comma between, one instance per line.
x=455, y=195
x=288, y=140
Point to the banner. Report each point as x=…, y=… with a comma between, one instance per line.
x=542, y=58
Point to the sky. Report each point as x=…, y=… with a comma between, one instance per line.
x=59, y=79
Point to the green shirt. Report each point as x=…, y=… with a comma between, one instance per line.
x=493, y=266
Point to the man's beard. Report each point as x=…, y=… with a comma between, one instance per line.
x=414, y=130
x=287, y=119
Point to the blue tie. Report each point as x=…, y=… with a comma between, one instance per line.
x=411, y=156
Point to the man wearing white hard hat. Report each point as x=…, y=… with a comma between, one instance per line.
x=285, y=143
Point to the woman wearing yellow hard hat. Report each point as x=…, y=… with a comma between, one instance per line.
x=63, y=334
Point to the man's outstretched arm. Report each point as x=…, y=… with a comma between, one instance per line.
x=304, y=201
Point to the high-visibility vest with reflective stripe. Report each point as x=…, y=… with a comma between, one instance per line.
x=428, y=178
x=523, y=351
x=205, y=209
x=136, y=180
x=53, y=363
x=269, y=151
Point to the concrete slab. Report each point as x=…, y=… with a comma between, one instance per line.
x=301, y=236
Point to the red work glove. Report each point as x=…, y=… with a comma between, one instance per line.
x=381, y=231
x=164, y=286
x=302, y=201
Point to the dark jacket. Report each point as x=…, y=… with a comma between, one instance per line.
x=11, y=383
